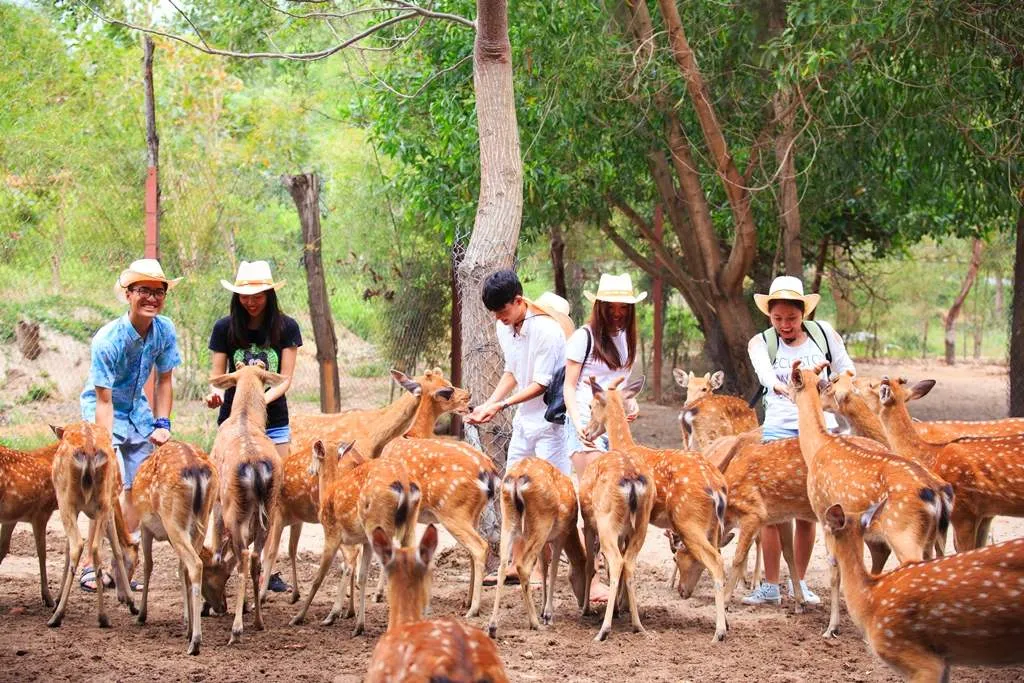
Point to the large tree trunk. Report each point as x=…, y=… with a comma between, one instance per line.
x=1017, y=324
x=558, y=260
x=789, y=200
x=152, y=248
x=949, y=318
x=305, y=191
x=499, y=212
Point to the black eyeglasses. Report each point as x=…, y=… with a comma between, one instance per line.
x=148, y=293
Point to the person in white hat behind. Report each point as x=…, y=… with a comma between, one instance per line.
x=772, y=352
x=124, y=352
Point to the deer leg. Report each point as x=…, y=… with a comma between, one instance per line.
x=93, y=542
x=832, y=631
x=147, y=571
x=243, y=554
x=532, y=546
x=707, y=554
x=588, y=569
x=786, y=540
x=984, y=529
x=504, y=550
x=916, y=664
x=364, y=568
x=748, y=532
x=73, y=548
x=755, y=579
x=464, y=533
x=6, y=531
x=965, y=530
x=192, y=581
x=612, y=558
x=270, y=551
x=39, y=536
x=331, y=544
x=339, y=597
x=636, y=542
x=547, y=617
x=121, y=581
x=879, y=555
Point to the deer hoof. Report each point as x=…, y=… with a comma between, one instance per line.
x=294, y=597
x=236, y=637
x=141, y=619
x=104, y=621
x=296, y=620
x=329, y=619
x=547, y=619
x=193, y=646
x=719, y=636
x=602, y=635
x=830, y=633
x=132, y=609
x=48, y=601
x=492, y=631
x=800, y=609
x=358, y=630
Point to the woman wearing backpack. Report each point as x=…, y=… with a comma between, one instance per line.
x=772, y=352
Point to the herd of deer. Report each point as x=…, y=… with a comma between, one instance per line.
x=370, y=476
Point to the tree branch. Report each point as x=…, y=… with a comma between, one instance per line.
x=663, y=256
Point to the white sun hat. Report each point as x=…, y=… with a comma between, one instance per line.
x=144, y=270
x=253, y=277
x=616, y=289
x=787, y=288
x=558, y=308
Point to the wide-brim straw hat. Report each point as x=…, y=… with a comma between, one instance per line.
x=555, y=306
x=253, y=277
x=787, y=288
x=616, y=289
x=144, y=270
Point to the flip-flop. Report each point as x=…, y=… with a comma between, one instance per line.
x=88, y=574
x=510, y=580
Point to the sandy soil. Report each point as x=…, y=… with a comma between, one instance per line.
x=764, y=644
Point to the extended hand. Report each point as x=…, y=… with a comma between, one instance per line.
x=581, y=433
x=213, y=400
x=160, y=436
x=483, y=413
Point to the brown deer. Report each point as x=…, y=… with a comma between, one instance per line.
x=419, y=651
x=86, y=479
x=854, y=471
x=689, y=493
x=538, y=505
x=174, y=491
x=707, y=416
x=250, y=476
x=374, y=494
x=617, y=494
x=27, y=495
x=923, y=617
x=986, y=473
x=433, y=396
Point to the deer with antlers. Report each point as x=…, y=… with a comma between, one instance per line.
x=416, y=650
x=688, y=493
x=538, y=505
x=923, y=617
x=855, y=471
x=707, y=416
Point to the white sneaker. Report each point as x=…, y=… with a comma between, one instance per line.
x=810, y=597
x=765, y=594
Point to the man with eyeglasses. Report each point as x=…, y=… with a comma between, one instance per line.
x=124, y=353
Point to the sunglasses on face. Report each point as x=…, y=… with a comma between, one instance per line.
x=147, y=293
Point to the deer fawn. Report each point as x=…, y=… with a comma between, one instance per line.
x=27, y=495
x=538, y=505
x=419, y=651
x=707, y=416
x=86, y=479
x=249, y=472
x=922, y=617
x=374, y=494
x=173, y=493
x=688, y=492
x=853, y=471
x=987, y=473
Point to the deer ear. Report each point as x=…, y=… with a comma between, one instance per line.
x=796, y=378
x=444, y=393
x=382, y=546
x=682, y=379
x=635, y=387
x=320, y=451
x=872, y=512
x=58, y=431
x=437, y=371
x=409, y=385
x=885, y=394
x=344, y=447
x=717, y=380
x=428, y=544
x=835, y=518
x=921, y=389
x=224, y=381
x=823, y=386
x=596, y=389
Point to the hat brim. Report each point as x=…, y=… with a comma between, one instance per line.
x=810, y=301
x=615, y=298
x=127, y=278
x=249, y=290
x=564, y=321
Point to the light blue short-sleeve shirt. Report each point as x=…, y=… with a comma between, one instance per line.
x=121, y=362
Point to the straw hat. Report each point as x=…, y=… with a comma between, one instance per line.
x=616, y=289
x=253, y=277
x=555, y=306
x=787, y=288
x=144, y=270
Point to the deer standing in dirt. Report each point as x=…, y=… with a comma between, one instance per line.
x=854, y=472
x=538, y=505
x=374, y=494
x=432, y=396
x=174, y=492
x=987, y=473
x=250, y=476
x=86, y=479
x=419, y=651
x=923, y=617
x=707, y=416
x=27, y=495
x=689, y=493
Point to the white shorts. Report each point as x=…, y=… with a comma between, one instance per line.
x=546, y=441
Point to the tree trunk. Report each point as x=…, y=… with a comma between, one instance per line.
x=499, y=212
x=949, y=318
x=152, y=243
x=26, y=333
x=1017, y=324
x=305, y=191
x=558, y=261
x=924, y=339
x=658, y=297
x=789, y=200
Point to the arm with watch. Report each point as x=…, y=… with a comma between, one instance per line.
x=500, y=399
x=162, y=403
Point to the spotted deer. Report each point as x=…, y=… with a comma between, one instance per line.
x=689, y=493
x=854, y=472
x=27, y=495
x=432, y=396
x=86, y=479
x=374, y=494
x=707, y=416
x=173, y=494
x=249, y=473
x=986, y=473
x=923, y=617
x=420, y=651
x=539, y=506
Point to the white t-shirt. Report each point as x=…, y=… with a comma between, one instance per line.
x=576, y=349
x=780, y=412
x=533, y=355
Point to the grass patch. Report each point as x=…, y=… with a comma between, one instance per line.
x=40, y=391
x=28, y=442
x=78, y=318
x=368, y=370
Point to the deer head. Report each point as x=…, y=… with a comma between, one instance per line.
x=698, y=387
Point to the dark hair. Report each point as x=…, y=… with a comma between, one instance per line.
x=601, y=326
x=500, y=289
x=792, y=302
x=272, y=325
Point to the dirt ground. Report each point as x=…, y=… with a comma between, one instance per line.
x=764, y=644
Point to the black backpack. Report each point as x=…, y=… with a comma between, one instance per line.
x=554, y=398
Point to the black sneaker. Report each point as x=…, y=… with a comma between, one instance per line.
x=277, y=584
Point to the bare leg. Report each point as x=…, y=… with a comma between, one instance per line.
x=793, y=564
x=771, y=549
x=803, y=546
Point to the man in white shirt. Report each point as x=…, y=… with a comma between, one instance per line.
x=772, y=352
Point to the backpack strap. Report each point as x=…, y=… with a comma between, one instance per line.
x=813, y=329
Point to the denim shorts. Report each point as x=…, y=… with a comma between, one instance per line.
x=132, y=451
x=776, y=433
x=572, y=439
x=282, y=434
